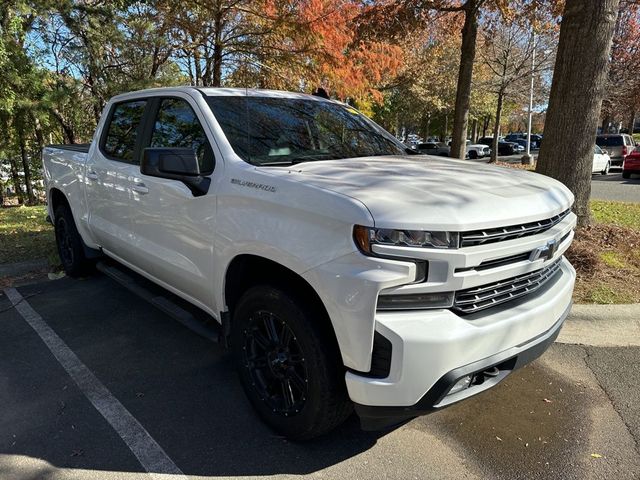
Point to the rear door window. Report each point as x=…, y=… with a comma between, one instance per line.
x=177, y=126
x=615, y=141
x=123, y=130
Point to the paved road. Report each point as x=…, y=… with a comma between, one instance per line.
x=614, y=187
x=544, y=421
x=604, y=187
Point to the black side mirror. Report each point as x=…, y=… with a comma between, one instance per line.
x=175, y=164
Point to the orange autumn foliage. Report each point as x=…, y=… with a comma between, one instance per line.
x=347, y=66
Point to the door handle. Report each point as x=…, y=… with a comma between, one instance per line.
x=92, y=175
x=140, y=188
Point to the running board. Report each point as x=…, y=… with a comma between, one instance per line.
x=188, y=315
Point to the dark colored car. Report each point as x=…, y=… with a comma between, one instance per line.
x=433, y=148
x=521, y=139
x=504, y=148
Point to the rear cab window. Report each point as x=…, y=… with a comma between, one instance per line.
x=123, y=130
x=612, y=141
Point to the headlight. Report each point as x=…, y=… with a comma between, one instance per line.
x=366, y=237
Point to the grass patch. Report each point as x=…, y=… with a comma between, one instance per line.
x=612, y=259
x=616, y=213
x=604, y=294
x=605, y=255
x=25, y=235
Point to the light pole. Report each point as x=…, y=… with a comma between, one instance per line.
x=528, y=159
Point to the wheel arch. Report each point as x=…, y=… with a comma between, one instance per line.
x=248, y=270
x=56, y=198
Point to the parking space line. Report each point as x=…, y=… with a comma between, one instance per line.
x=150, y=455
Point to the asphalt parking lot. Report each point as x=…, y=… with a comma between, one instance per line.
x=571, y=414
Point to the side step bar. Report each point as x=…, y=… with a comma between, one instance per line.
x=188, y=315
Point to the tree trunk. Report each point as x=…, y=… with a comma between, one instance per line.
x=485, y=125
x=577, y=90
x=632, y=122
x=67, y=128
x=445, y=128
x=474, y=131
x=15, y=179
x=31, y=198
x=496, y=128
x=465, y=73
x=426, y=123
x=217, y=51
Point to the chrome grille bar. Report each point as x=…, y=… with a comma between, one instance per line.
x=491, y=235
x=478, y=298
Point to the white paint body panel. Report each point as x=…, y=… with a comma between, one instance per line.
x=600, y=161
x=304, y=221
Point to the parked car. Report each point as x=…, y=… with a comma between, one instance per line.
x=631, y=164
x=434, y=148
x=601, y=161
x=343, y=272
x=521, y=139
x=514, y=137
x=477, y=150
x=619, y=145
x=504, y=148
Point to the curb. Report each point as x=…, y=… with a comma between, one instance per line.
x=602, y=326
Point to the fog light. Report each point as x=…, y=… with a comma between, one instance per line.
x=415, y=301
x=460, y=385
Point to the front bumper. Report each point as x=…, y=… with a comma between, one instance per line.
x=432, y=350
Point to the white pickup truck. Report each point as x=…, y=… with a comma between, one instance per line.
x=344, y=270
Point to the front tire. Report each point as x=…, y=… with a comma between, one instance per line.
x=289, y=364
x=626, y=174
x=473, y=154
x=70, y=244
x=607, y=167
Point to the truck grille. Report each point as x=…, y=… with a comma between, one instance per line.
x=478, y=298
x=491, y=235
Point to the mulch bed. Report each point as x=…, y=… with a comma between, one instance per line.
x=607, y=262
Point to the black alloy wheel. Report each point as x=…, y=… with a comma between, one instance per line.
x=65, y=250
x=71, y=249
x=288, y=361
x=275, y=363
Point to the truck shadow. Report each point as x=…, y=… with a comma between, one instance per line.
x=179, y=386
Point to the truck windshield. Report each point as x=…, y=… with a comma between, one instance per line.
x=284, y=131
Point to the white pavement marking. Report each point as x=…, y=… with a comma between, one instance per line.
x=150, y=455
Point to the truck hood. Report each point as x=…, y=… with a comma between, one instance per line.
x=425, y=192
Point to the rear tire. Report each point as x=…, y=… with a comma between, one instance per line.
x=289, y=364
x=626, y=174
x=70, y=244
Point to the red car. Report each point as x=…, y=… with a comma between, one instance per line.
x=631, y=164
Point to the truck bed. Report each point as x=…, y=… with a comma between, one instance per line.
x=75, y=147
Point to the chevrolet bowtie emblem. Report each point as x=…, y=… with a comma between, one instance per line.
x=547, y=252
